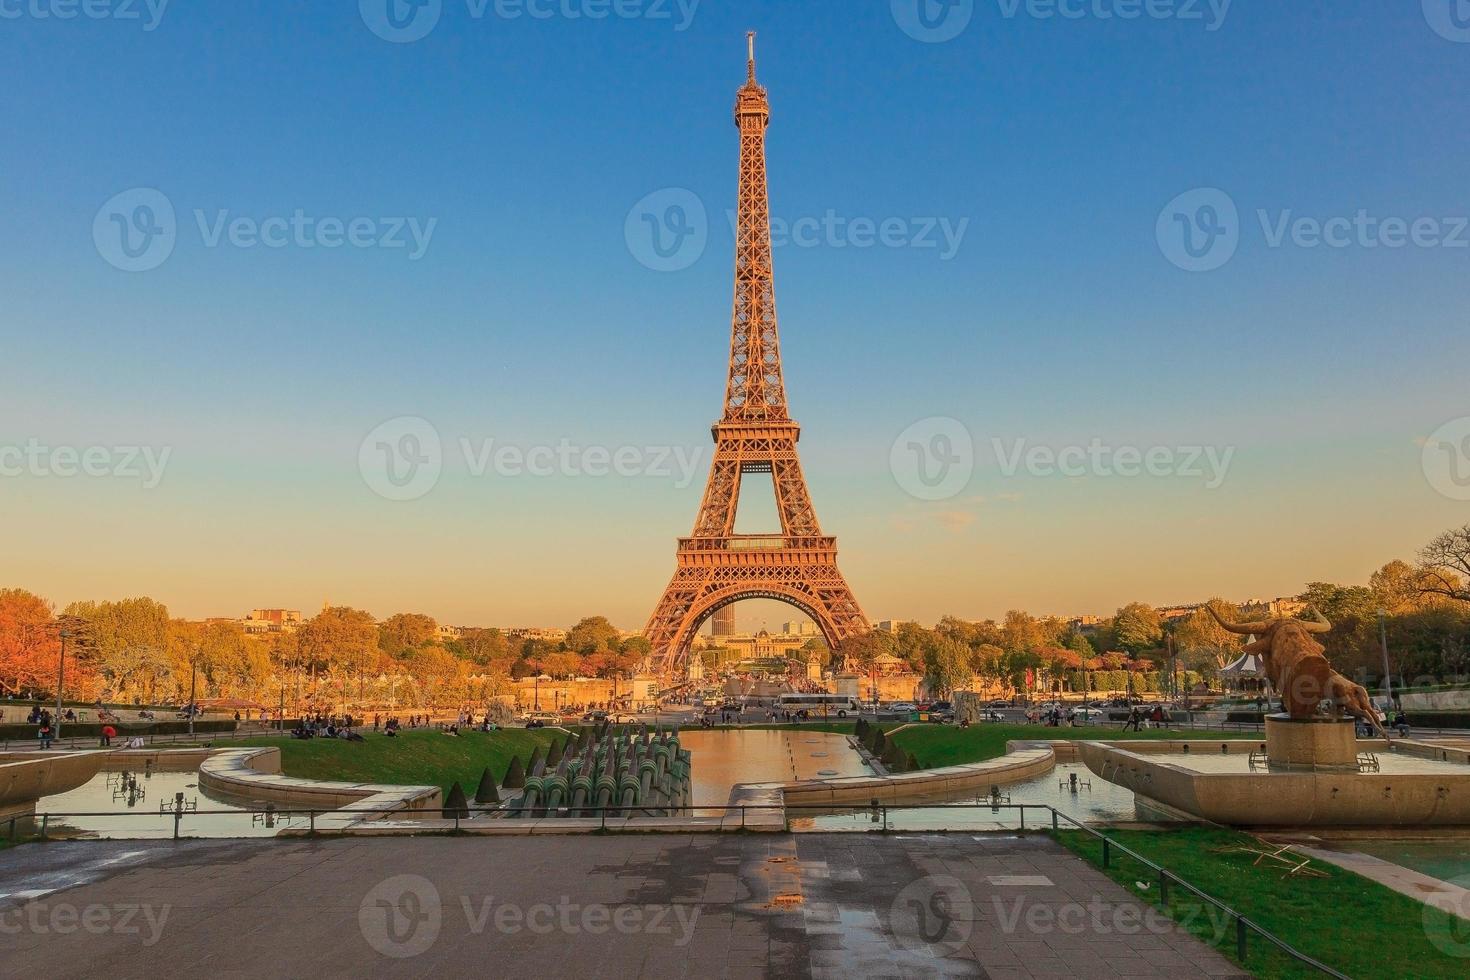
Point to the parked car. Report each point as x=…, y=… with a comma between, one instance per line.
x=903, y=707
x=999, y=703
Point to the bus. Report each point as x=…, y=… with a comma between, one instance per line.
x=818, y=705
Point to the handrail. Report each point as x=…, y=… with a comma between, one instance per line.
x=1167, y=879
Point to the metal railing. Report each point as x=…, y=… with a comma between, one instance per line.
x=1051, y=821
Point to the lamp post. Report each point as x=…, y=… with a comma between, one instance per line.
x=193, y=675
x=1383, y=642
x=60, y=680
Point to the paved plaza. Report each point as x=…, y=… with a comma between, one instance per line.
x=819, y=905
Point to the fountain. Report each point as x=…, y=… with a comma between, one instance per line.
x=1311, y=770
x=645, y=772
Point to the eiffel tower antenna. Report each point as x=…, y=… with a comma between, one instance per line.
x=755, y=434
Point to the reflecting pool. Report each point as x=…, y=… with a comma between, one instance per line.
x=129, y=805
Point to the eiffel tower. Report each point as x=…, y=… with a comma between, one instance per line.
x=716, y=566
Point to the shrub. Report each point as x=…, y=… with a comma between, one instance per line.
x=487, y=792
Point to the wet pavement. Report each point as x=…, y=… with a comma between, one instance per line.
x=815, y=905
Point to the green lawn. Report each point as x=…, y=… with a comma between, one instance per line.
x=1354, y=925
x=418, y=758
x=949, y=745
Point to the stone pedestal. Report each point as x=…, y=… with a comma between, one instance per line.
x=1311, y=743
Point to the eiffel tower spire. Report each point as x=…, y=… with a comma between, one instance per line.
x=716, y=566
x=755, y=389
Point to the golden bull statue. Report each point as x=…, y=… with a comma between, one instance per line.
x=1299, y=672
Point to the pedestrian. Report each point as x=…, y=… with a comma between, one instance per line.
x=45, y=735
x=108, y=734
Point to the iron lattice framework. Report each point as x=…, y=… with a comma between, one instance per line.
x=717, y=567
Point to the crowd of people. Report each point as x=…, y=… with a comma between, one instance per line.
x=328, y=726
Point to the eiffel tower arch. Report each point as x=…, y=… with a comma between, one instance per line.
x=755, y=435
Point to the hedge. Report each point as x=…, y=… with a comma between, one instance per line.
x=89, y=729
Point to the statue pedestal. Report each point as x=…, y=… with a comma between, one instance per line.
x=1311, y=743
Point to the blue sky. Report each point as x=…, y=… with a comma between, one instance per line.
x=1055, y=143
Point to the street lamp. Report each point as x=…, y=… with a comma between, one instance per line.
x=193, y=674
x=1383, y=642
x=60, y=680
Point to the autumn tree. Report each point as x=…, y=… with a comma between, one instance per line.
x=341, y=640
x=1137, y=628
x=402, y=632
x=1204, y=643
x=29, y=645
x=946, y=665
x=1445, y=562
x=594, y=634
x=127, y=643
